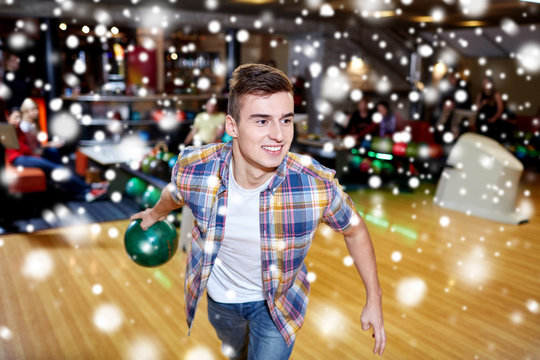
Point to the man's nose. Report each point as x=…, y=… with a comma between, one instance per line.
x=276, y=132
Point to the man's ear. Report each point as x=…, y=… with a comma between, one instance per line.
x=230, y=126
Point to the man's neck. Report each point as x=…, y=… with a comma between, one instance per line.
x=249, y=177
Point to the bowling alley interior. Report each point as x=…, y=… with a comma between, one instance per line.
x=427, y=111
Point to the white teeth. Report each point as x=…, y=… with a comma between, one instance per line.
x=272, y=148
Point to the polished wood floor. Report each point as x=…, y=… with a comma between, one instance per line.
x=469, y=290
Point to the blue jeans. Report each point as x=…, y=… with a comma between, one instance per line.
x=247, y=331
x=74, y=183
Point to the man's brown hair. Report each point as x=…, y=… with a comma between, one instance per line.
x=255, y=79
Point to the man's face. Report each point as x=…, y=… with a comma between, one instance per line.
x=264, y=132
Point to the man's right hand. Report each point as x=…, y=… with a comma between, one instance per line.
x=148, y=218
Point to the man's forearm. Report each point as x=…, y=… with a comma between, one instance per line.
x=361, y=250
x=165, y=205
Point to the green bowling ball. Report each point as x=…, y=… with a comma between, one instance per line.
x=412, y=150
x=160, y=155
x=153, y=247
x=135, y=187
x=355, y=161
x=168, y=156
x=382, y=145
x=145, y=164
x=150, y=197
x=377, y=166
x=521, y=151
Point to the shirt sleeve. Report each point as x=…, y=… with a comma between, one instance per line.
x=340, y=210
x=173, y=186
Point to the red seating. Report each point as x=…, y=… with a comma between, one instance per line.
x=25, y=180
x=28, y=180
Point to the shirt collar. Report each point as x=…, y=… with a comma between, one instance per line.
x=226, y=158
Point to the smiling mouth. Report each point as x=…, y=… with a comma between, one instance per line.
x=272, y=148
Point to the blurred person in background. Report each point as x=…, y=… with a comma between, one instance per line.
x=57, y=174
x=492, y=119
x=19, y=89
x=208, y=126
x=387, y=125
x=36, y=137
x=360, y=121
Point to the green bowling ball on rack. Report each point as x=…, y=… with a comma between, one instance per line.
x=168, y=156
x=135, y=187
x=145, y=164
x=150, y=197
x=412, y=150
x=153, y=247
x=521, y=152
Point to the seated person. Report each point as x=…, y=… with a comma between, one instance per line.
x=360, y=122
x=208, y=125
x=57, y=174
x=387, y=125
x=30, y=126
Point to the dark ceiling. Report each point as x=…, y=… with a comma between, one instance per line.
x=505, y=23
x=346, y=13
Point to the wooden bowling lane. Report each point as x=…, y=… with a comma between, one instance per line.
x=74, y=294
x=468, y=290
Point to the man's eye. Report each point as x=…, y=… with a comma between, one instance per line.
x=287, y=120
x=262, y=122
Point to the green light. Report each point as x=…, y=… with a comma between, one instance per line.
x=384, y=156
x=381, y=156
x=377, y=221
x=408, y=233
x=162, y=279
x=405, y=231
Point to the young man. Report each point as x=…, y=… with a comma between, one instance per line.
x=256, y=208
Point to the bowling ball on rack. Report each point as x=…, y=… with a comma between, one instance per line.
x=135, y=187
x=172, y=161
x=168, y=156
x=150, y=197
x=412, y=150
x=399, y=149
x=153, y=247
x=365, y=165
x=355, y=162
x=521, y=152
x=159, y=169
x=145, y=163
x=159, y=155
x=382, y=145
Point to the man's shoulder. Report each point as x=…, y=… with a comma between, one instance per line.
x=305, y=165
x=200, y=155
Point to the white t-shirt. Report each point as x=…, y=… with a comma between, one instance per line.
x=237, y=276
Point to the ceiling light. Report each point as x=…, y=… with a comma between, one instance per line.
x=255, y=2
x=472, y=23
x=532, y=1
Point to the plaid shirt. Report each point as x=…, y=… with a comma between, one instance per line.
x=301, y=195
